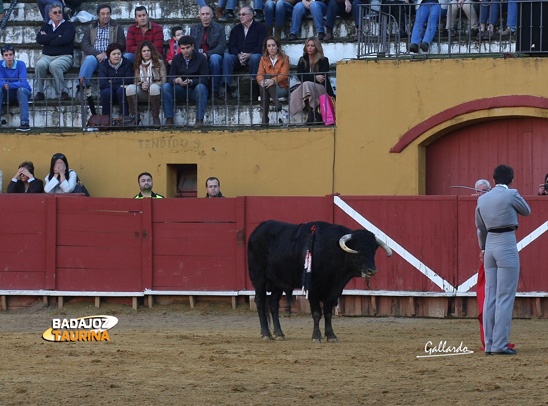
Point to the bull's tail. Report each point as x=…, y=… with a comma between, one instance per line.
x=289, y=300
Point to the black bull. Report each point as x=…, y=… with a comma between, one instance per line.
x=276, y=257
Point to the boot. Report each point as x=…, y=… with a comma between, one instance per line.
x=278, y=32
x=169, y=122
x=132, y=108
x=269, y=30
x=329, y=33
x=310, y=119
x=219, y=12
x=155, y=110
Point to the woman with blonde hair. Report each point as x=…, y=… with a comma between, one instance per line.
x=273, y=75
x=313, y=73
x=150, y=75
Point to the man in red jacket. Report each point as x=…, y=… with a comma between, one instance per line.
x=144, y=29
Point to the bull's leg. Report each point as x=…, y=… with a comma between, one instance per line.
x=328, y=314
x=316, y=315
x=260, y=301
x=275, y=311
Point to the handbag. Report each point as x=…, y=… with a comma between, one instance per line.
x=99, y=121
x=327, y=109
x=80, y=188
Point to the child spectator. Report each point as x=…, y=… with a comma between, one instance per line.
x=176, y=33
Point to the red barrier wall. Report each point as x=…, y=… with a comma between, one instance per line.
x=70, y=243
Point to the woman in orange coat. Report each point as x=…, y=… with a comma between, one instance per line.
x=273, y=75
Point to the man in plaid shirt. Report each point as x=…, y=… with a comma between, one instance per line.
x=97, y=37
x=144, y=29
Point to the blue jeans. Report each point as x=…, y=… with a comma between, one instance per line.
x=131, y=57
x=228, y=4
x=182, y=93
x=281, y=9
x=87, y=68
x=22, y=95
x=231, y=61
x=333, y=10
x=427, y=12
x=512, y=18
x=201, y=3
x=215, y=66
x=489, y=14
x=318, y=11
x=118, y=95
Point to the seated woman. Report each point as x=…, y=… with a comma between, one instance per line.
x=150, y=75
x=428, y=13
x=115, y=74
x=60, y=179
x=24, y=181
x=273, y=75
x=312, y=71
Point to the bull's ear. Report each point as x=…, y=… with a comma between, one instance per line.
x=383, y=245
x=342, y=243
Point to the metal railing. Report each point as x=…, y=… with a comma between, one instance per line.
x=240, y=108
x=393, y=30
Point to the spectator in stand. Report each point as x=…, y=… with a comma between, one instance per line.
x=57, y=40
x=213, y=187
x=144, y=29
x=98, y=35
x=145, y=185
x=245, y=47
x=273, y=75
x=336, y=8
x=543, y=187
x=115, y=75
x=489, y=16
x=511, y=19
x=150, y=75
x=228, y=14
x=467, y=6
x=176, y=33
x=318, y=10
x=188, y=80
x=428, y=13
x=24, y=181
x=210, y=40
x=60, y=179
x=312, y=72
x=14, y=85
x=68, y=7
x=277, y=11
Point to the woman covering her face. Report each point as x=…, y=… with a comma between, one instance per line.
x=60, y=179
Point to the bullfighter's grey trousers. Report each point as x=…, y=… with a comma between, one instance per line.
x=501, y=282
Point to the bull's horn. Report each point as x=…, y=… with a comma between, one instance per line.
x=384, y=246
x=342, y=243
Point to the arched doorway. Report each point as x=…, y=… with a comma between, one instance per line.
x=470, y=153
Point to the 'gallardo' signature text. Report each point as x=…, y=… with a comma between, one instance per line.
x=443, y=350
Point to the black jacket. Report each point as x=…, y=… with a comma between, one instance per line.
x=197, y=69
x=304, y=74
x=36, y=186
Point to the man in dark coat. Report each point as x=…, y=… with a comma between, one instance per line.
x=245, y=47
x=188, y=79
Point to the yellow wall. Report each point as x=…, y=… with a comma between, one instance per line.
x=277, y=162
x=377, y=102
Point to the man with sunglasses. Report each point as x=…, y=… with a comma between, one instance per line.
x=57, y=40
x=14, y=84
x=245, y=48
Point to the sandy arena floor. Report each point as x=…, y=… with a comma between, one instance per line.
x=212, y=355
